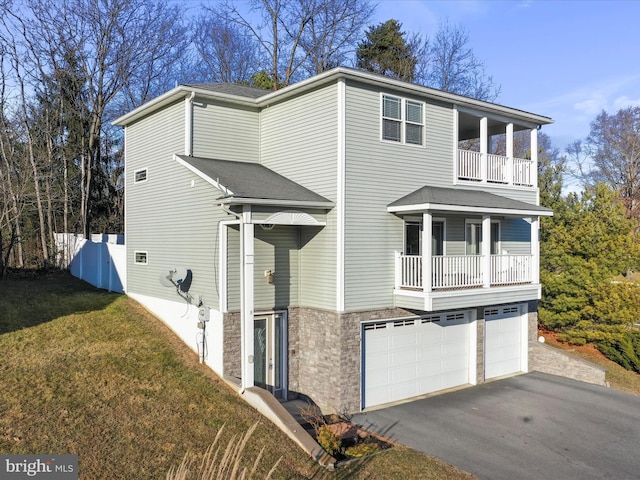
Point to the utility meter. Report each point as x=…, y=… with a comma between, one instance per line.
x=203, y=313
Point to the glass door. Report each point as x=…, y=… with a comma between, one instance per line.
x=269, y=357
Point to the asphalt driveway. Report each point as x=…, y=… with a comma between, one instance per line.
x=532, y=426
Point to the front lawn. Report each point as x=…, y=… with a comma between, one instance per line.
x=92, y=373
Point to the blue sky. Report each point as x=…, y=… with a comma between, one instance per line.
x=565, y=59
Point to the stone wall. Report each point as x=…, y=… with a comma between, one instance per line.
x=546, y=359
x=231, y=345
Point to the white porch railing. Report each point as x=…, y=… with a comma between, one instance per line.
x=463, y=271
x=509, y=269
x=469, y=165
x=500, y=169
x=456, y=271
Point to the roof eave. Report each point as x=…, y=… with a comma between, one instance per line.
x=468, y=209
x=179, y=93
x=275, y=202
x=377, y=80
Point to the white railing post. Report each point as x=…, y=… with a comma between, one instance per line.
x=485, y=267
x=509, y=153
x=427, y=241
x=535, y=250
x=397, y=262
x=484, y=144
x=533, y=174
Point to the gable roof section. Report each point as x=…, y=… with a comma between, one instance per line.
x=460, y=200
x=248, y=96
x=244, y=183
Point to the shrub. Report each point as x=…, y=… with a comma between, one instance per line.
x=329, y=440
x=362, y=449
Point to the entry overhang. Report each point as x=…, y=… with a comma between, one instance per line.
x=460, y=200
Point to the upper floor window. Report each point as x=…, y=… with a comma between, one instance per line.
x=140, y=176
x=402, y=120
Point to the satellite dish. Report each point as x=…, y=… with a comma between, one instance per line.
x=173, y=277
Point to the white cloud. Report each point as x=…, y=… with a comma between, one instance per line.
x=624, y=102
x=592, y=106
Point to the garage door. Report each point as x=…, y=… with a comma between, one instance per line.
x=407, y=358
x=504, y=328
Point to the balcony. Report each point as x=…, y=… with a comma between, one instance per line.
x=498, y=169
x=463, y=271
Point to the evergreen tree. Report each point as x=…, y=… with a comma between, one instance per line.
x=587, y=250
x=387, y=52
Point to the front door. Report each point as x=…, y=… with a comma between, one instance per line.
x=269, y=360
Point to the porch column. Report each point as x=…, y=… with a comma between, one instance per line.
x=534, y=157
x=246, y=297
x=535, y=250
x=484, y=147
x=509, y=152
x=485, y=261
x=426, y=251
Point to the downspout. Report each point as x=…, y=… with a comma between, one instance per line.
x=188, y=125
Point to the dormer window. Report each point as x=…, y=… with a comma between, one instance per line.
x=402, y=120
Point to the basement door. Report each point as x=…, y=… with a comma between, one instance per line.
x=408, y=358
x=505, y=341
x=269, y=357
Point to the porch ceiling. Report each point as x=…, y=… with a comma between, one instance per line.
x=244, y=183
x=430, y=198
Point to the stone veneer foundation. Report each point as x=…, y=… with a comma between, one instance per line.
x=324, y=352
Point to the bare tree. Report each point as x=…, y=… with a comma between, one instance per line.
x=300, y=37
x=122, y=48
x=22, y=68
x=226, y=51
x=333, y=33
x=613, y=146
x=453, y=67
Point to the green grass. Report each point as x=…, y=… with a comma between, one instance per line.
x=92, y=373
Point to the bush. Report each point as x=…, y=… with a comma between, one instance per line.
x=362, y=449
x=325, y=437
x=329, y=440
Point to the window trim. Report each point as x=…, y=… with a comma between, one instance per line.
x=146, y=175
x=495, y=221
x=141, y=252
x=418, y=221
x=403, y=121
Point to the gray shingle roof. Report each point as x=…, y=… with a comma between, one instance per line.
x=231, y=89
x=465, y=198
x=252, y=181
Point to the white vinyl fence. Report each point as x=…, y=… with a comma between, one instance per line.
x=100, y=261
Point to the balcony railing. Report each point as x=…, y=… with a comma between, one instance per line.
x=499, y=169
x=464, y=271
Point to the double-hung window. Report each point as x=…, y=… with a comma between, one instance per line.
x=402, y=120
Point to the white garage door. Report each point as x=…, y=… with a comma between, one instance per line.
x=407, y=358
x=504, y=341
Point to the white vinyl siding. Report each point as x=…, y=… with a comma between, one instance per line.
x=225, y=133
x=172, y=217
x=378, y=173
